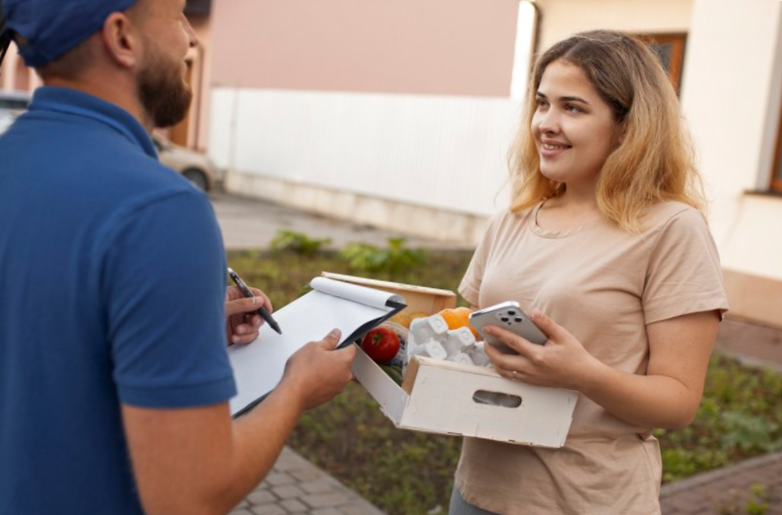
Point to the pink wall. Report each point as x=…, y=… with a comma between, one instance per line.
x=438, y=47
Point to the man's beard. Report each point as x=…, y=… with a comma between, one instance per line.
x=163, y=93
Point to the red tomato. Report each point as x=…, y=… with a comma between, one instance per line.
x=381, y=344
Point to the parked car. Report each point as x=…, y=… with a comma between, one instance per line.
x=194, y=166
x=12, y=104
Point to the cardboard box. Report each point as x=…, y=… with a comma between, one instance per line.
x=445, y=397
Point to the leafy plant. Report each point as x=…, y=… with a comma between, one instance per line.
x=363, y=257
x=297, y=242
x=758, y=502
x=749, y=432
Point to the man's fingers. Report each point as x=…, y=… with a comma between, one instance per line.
x=244, y=305
x=266, y=302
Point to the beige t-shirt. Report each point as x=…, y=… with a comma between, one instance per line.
x=604, y=285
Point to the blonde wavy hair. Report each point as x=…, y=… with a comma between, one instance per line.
x=653, y=163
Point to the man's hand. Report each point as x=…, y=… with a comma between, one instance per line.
x=317, y=372
x=242, y=320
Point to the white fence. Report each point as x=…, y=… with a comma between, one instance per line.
x=447, y=153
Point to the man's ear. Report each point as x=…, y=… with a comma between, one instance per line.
x=122, y=40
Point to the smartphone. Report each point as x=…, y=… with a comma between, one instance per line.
x=510, y=317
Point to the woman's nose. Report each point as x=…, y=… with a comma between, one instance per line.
x=548, y=121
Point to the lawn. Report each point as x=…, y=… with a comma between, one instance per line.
x=410, y=473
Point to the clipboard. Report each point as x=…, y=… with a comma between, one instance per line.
x=351, y=308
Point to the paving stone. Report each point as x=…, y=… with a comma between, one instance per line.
x=359, y=507
x=319, y=486
x=261, y=497
x=289, y=460
x=279, y=479
x=288, y=491
x=269, y=509
x=326, y=511
x=326, y=500
x=306, y=474
x=294, y=506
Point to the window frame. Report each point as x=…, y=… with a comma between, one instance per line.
x=775, y=183
x=678, y=42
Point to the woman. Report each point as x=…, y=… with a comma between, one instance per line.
x=607, y=250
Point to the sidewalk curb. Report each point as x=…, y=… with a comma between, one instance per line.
x=712, y=476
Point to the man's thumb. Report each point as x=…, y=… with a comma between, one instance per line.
x=332, y=339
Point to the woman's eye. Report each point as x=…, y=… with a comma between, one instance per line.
x=541, y=103
x=573, y=108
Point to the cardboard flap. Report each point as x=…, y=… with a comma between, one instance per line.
x=418, y=298
x=384, y=390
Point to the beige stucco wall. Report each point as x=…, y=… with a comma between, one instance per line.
x=732, y=99
x=561, y=18
x=436, y=47
x=202, y=63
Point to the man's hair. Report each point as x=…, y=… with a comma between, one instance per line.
x=654, y=161
x=70, y=65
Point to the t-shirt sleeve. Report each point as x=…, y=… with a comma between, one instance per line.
x=470, y=287
x=684, y=275
x=164, y=287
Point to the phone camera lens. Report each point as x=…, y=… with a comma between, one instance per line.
x=511, y=313
x=518, y=320
x=504, y=319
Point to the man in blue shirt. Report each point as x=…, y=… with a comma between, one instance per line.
x=114, y=377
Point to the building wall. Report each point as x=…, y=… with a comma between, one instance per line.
x=202, y=62
x=411, y=103
x=389, y=113
x=732, y=98
x=430, y=47
x=14, y=75
x=562, y=18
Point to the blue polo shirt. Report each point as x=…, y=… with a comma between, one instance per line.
x=112, y=284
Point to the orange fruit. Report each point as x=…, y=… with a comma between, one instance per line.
x=458, y=317
x=402, y=319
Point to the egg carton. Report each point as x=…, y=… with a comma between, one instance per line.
x=430, y=337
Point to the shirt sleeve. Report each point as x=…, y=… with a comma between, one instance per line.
x=684, y=275
x=470, y=287
x=164, y=287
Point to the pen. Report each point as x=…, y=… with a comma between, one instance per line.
x=247, y=293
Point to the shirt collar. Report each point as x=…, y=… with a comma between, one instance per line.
x=75, y=102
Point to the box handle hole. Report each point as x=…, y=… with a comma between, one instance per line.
x=504, y=400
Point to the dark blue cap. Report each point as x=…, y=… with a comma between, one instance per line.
x=53, y=27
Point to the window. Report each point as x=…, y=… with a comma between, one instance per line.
x=198, y=7
x=670, y=49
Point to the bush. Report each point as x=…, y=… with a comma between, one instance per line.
x=363, y=257
x=297, y=242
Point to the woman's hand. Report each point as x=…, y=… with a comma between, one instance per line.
x=562, y=362
x=243, y=323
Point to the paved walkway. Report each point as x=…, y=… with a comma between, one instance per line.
x=297, y=486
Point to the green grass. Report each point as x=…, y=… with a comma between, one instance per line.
x=409, y=473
